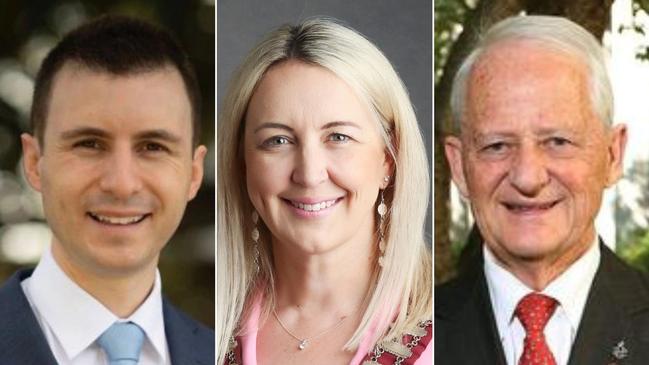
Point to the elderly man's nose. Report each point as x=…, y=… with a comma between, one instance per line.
x=528, y=173
x=121, y=175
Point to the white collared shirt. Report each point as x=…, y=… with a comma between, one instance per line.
x=72, y=319
x=570, y=289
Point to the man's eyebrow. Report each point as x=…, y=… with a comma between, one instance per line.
x=273, y=125
x=159, y=134
x=341, y=123
x=84, y=132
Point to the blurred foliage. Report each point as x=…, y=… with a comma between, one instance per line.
x=635, y=251
x=638, y=6
x=632, y=219
x=449, y=16
x=30, y=29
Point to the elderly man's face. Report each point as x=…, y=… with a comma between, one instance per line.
x=533, y=157
x=116, y=169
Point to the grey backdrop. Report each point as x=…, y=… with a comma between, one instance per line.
x=401, y=29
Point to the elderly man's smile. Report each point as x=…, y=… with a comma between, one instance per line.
x=530, y=208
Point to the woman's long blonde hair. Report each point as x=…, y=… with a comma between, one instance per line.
x=404, y=284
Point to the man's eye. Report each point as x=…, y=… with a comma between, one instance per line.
x=496, y=147
x=154, y=147
x=89, y=144
x=276, y=141
x=339, y=137
x=558, y=142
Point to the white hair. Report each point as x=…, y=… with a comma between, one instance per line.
x=404, y=285
x=556, y=33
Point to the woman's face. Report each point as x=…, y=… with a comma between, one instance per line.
x=315, y=160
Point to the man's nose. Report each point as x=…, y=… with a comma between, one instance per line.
x=121, y=175
x=310, y=166
x=528, y=173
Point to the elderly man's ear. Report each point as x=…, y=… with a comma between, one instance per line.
x=616, y=147
x=453, y=149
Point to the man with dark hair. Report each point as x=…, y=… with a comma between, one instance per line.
x=115, y=155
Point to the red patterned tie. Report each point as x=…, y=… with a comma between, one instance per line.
x=534, y=311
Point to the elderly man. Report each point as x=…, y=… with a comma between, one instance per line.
x=115, y=154
x=535, y=152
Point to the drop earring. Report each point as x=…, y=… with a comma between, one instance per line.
x=255, y=240
x=382, y=209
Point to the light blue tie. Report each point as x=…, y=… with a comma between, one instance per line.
x=122, y=343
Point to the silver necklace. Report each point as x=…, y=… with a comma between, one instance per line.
x=304, y=342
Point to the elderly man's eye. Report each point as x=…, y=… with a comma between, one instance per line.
x=495, y=147
x=558, y=142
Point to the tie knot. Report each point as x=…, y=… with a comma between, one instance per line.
x=122, y=342
x=534, y=311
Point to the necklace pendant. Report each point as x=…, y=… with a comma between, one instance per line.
x=302, y=344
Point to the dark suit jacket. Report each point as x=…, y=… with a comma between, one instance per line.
x=22, y=342
x=617, y=309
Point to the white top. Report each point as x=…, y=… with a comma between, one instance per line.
x=72, y=319
x=570, y=289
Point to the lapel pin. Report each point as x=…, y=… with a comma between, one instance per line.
x=620, y=351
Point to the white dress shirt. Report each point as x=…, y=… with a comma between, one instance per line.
x=72, y=319
x=570, y=289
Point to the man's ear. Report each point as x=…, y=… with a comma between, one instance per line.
x=31, y=160
x=453, y=149
x=197, y=171
x=616, y=147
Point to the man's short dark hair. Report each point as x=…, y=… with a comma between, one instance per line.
x=116, y=45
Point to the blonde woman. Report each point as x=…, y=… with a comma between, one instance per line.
x=322, y=195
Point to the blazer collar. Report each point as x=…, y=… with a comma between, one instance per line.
x=21, y=338
x=618, y=297
x=467, y=310
x=189, y=343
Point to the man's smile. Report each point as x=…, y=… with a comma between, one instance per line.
x=530, y=207
x=118, y=220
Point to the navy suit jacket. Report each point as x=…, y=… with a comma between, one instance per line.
x=616, y=313
x=23, y=343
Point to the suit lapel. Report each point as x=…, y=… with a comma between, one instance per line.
x=21, y=338
x=467, y=327
x=617, y=298
x=188, y=343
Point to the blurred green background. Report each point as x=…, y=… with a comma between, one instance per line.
x=29, y=30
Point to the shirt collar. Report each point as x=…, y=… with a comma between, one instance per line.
x=67, y=308
x=570, y=288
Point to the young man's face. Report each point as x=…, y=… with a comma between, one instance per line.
x=116, y=167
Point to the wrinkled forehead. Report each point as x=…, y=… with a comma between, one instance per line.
x=519, y=61
x=522, y=74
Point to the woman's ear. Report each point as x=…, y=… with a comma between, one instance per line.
x=388, y=169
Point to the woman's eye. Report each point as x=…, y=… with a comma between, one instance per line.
x=276, y=141
x=339, y=137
